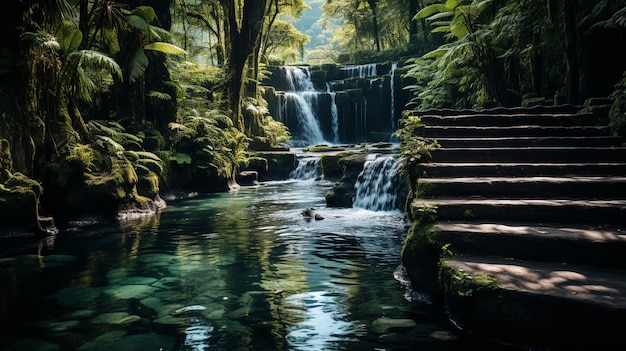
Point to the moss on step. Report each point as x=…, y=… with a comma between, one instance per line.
x=458, y=283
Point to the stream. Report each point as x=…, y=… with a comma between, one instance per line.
x=243, y=270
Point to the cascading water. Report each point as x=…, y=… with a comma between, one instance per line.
x=360, y=71
x=308, y=168
x=392, y=73
x=378, y=185
x=301, y=95
x=334, y=113
x=335, y=104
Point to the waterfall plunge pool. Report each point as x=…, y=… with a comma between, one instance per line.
x=242, y=270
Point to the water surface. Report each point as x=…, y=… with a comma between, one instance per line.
x=243, y=270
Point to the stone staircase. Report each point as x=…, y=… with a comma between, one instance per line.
x=532, y=202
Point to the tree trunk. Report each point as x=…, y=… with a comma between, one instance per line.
x=571, y=51
x=373, y=5
x=243, y=40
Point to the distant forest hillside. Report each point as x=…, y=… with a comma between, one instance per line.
x=310, y=25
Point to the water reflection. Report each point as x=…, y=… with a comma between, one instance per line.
x=236, y=271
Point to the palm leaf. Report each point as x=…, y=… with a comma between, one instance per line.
x=431, y=10
x=147, y=13
x=43, y=40
x=69, y=37
x=96, y=60
x=165, y=48
x=138, y=65
x=139, y=23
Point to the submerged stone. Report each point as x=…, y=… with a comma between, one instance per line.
x=137, y=281
x=59, y=327
x=383, y=324
x=443, y=335
x=116, y=318
x=102, y=340
x=80, y=314
x=124, y=292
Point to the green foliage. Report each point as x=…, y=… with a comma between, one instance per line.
x=208, y=140
x=461, y=70
x=285, y=43
x=111, y=139
x=617, y=114
x=83, y=156
x=276, y=132
x=414, y=149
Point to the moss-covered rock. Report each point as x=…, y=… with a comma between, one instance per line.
x=19, y=197
x=331, y=169
x=279, y=164
x=343, y=192
x=109, y=185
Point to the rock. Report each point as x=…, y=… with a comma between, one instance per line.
x=137, y=281
x=59, y=327
x=343, y=192
x=124, y=292
x=443, y=335
x=383, y=324
x=318, y=217
x=308, y=213
x=247, y=178
x=102, y=340
x=116, y=318
x=279, y=164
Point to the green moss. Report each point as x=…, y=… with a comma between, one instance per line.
x=352, y=160
x=148, y=185
x=319, y=148
x=331, y=169
x=258, y=164
x=460, y=283
x=421, y=237
x=422, y=213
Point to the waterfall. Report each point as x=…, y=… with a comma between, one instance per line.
x=308, y=168
x=334, y=113
x=378, y=184
x=302, y=96
x=392, y=73
x=360, y=71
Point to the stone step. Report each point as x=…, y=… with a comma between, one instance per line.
x=594, y=141
x=524, y=187
x=552, y=305
x=558, y=109
x=565, y=243
x=531, y=154
x=591, y=212
x=506, y=120
x=435, y=132
x=441, y=170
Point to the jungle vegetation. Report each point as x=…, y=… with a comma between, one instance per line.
x=168, y=95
